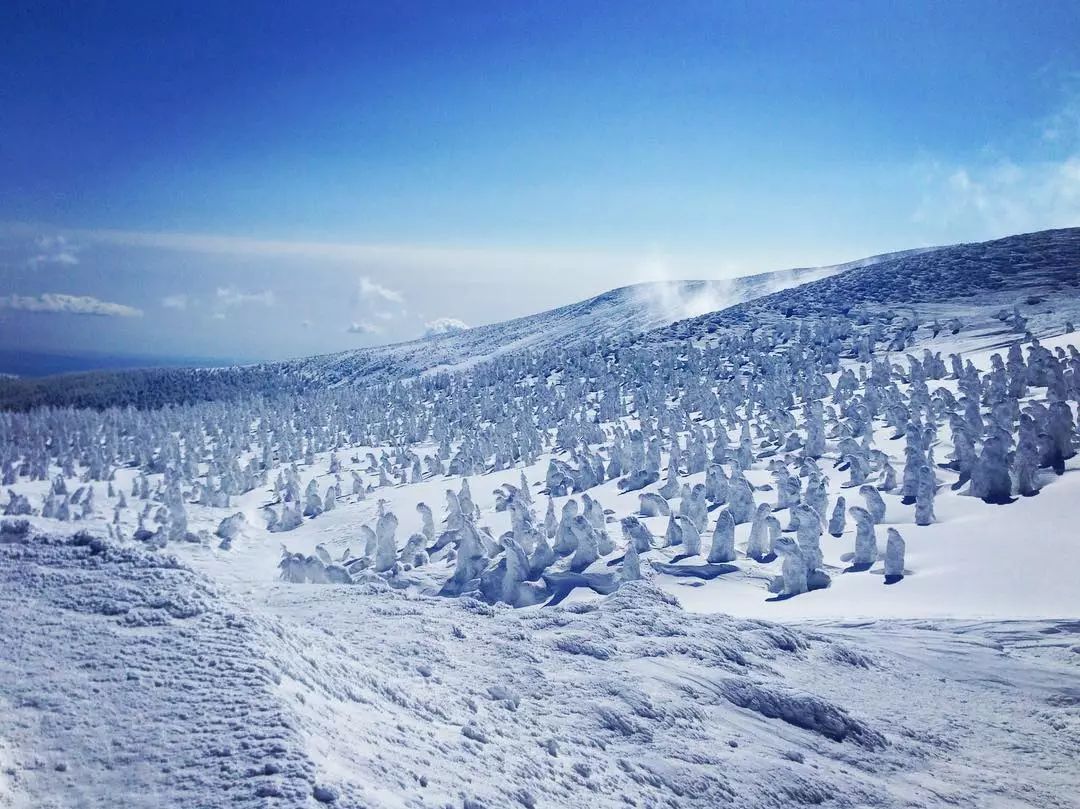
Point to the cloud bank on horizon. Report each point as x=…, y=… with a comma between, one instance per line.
x=55, y=303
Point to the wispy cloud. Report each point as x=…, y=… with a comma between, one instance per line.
x=477, y=262
x=1063, y=125
x=362, y=328
x=370, y=289
x=997, y=194
x=179, y=301
x=443, y=325
x=56, y=303
x=230, y=297
x=53, y=250
x=1001, y=197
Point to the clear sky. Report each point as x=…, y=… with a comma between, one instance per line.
x=276, y=179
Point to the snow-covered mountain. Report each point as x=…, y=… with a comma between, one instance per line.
x=609, y=319
x=1039, y=272
x=1008, y=268
x=606, y=319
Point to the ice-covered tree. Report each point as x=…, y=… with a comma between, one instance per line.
x=723, y=538
x=894, y=556
x=838, y=520
x=759, y=544
x=586, y=552
x=866, y=552
x=924, y=497
x=653, y=505
x=990, y=478
x=386, y=545
x=792, y=580
x=637, y=534
x=689, y=536
x=874, y=502
x=631, y=565
x=741, y=500
x=673, y=534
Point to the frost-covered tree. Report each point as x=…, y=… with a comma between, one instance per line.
x=565, y=538
x=551, y=525
x=924, y=496
x=653, y=505
x=542, y=557
x=1026, y=459
x=716, y=484
x=586, y=551
x=386, y=546
x=808, y=535
x=723, y=538
x=470, y=559
x=792, y=580
x=874, y=502
x=637, y=534
x=313, y=506
x=673, y=534
x=631, y=565
x=894, y=556
x=990, y=478
x=865, y=542
x=696, y=507
x=759, y=544
x=741, y=500
x=689, y=536
x=427, y=521
x=671, y=487
x=837, y=522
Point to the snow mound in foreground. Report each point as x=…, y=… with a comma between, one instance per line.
x=133, y=678
x=125, y=681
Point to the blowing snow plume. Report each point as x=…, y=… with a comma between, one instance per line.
x=679, y=300
x=675, y=300
x=672, y=300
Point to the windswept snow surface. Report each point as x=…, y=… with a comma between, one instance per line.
x=130, y=680
x=151, y=653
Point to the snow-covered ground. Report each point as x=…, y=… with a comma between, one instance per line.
x=145, y=661
x=130, y=680
x=977, y=561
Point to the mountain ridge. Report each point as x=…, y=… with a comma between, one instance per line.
x=649, y=311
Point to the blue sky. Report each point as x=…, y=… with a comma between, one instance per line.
x=263, y=180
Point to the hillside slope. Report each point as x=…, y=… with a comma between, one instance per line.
x=1025, y=271
x=1016, y=270
x=611, y=317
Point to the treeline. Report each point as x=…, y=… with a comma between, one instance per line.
x=144, y=388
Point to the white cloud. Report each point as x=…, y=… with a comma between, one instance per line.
x=179, y=301
x=466, y=262
x=59, y=303
x=370, y=289
x=362, y=328
x=996, y=194
x=1063, y=126
x=1002, y=197
x=57, y=250
x=443, y=325
x=231, y=296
